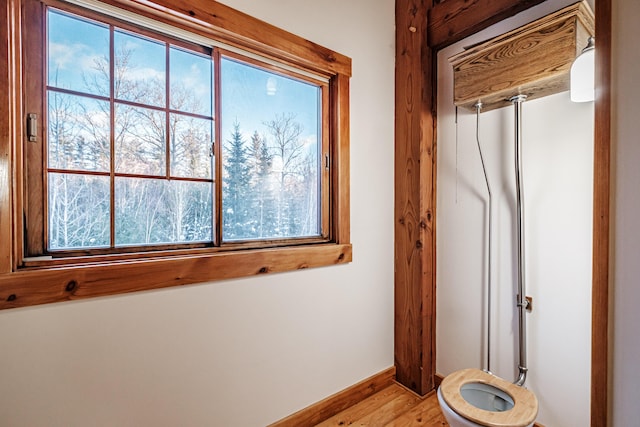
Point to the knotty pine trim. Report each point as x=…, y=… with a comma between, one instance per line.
x=339, y=158
x=240, y=30
x=326, y=408
x=7, y=76
x=40, y=286
x=533, y=60
x=453, y=20
x=601, y=218
x=415, y=198
x=32, y=171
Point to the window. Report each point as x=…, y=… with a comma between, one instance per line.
x=130, y=145
x=148, y=136
x=129, y=138
x=272, y=175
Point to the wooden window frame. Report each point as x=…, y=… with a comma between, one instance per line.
x=45, y=281
x=36, y=187
x=324, y=148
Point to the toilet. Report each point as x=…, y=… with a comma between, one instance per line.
x=471, y=398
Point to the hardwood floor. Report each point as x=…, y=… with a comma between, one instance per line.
x=374, y=402
x=377, y=401
x=393, y=406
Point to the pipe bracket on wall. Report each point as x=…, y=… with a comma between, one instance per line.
x=526, y=303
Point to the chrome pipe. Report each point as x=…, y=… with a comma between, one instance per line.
x=522, y=302
x=489, y=234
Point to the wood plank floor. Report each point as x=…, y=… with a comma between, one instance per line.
x=394, y=406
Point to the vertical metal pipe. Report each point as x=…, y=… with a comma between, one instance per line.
x=489, y=235
x=522, y=302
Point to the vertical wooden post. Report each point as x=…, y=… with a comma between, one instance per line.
x=601, y=218
x=415, y=173
x=340, y=157
x=9, y=19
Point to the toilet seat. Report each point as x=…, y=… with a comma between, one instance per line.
x=523, y=413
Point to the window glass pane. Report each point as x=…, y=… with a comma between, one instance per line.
x=153, y=211
x=191, y=207
x=78, y=133
x=191, y=147
x=78, y=54
x=140, y=140
x=271, y=144
x=191, y=82
x=140, y=67
x=78, y=211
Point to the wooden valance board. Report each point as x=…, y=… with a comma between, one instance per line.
x=533, y=60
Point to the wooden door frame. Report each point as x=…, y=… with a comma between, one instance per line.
x=422, y=28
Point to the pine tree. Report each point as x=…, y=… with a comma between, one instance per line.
x=264, y=212
x=236, y=188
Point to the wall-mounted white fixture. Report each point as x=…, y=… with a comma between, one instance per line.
x=583, y=74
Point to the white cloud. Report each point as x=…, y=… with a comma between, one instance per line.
x=73, y=56
x=141, y=74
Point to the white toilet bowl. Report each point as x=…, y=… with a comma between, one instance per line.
x=472, y=398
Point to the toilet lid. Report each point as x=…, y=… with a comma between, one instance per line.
x=523, y=413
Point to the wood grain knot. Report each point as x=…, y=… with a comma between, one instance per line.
x=71, y=286
x=341, y=257
x=191, y=13
x=331, y=58
x=419, y=244
x=263, y=270
x=11, y=297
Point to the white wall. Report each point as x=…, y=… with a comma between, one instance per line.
x=625, y=208
x=243, y=352
x=558, y=175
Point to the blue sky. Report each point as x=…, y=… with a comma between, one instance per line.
x=74, y=46
x=253, y=96
x=250, y=95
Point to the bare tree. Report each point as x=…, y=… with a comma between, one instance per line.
x=147, y=210
x=288, y=148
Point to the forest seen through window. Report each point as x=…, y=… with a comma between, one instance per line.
x=131, y=143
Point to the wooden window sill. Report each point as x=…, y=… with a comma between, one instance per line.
x=42, y=285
